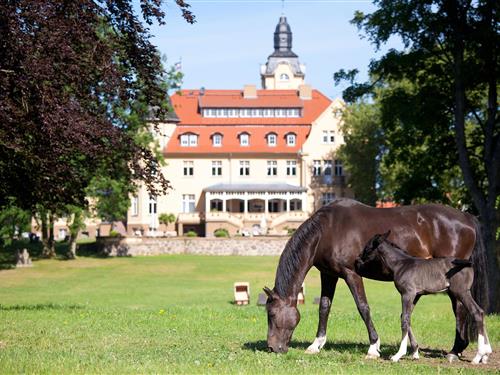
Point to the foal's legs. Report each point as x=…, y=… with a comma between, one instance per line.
x=483, y=342
x=328, y=284
x=413, y=340
x=355, y=284
x=407, y=302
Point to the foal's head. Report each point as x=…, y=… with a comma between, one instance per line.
x=282, y=318
x=370, y=262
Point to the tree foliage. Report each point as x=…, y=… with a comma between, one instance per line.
x=362, y=149
x=78, y=80
x=449, y=67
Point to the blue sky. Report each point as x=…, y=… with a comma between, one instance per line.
x=231, y=39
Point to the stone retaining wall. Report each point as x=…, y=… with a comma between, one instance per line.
x=131, y=246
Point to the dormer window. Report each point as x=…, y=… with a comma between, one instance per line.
x=244, y=139
x=284, y=77
x=272, y=139
x=217, y=140
x=291, y=139
x=189, y=140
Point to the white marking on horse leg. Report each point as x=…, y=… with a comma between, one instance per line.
x=402, y=349
x=484, y=359
x=317, y=345
x=416, y=355
x=373, y=351
x=481, y=350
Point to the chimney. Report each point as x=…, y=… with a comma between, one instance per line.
x=305, y=92
x=250, y=92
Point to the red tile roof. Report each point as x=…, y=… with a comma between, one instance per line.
x=186, y=105
x=231, y=142
x=264, y=99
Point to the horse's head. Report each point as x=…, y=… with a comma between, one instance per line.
x=368, y=263
x=282, y=318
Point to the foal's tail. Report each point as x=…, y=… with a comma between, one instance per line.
x=480, y=285
x=458, y=265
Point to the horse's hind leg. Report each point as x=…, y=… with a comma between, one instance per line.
x=355, y=284
x=328, y=285
x=483, y=342
x=407, y=304
x=461, y=330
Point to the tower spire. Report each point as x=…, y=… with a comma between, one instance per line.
x=282, y=70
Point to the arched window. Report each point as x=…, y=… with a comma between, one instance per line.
x=189, y=140
x=271, y=139
x=244, y=139
x=217, y=140
x=284, y=77
x=291, y=139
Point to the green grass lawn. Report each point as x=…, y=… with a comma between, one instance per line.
x=173, y=314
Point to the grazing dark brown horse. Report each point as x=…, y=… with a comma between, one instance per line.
x=331, y=240
x=414, y=277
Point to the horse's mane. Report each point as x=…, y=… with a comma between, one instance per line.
x=291, y=258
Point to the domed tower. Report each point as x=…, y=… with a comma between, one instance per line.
x=282, y=70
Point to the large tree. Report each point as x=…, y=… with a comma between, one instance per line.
x=78, y=82
x=457, y=41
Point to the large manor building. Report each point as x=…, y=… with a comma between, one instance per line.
x=251, y=161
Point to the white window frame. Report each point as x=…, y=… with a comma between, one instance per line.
x=272, y=168
x=328, y=137
x=327, y=168
x=316, y=170
x=217, y=140
x=338, y=168
x=188, y=169
x=272, y=140
x=291, y=139
x=244, y=168
x=245, y=139
x=188, y=203
x=291, y=168
x=216, y=168
x=135, y=206
x=152, y=205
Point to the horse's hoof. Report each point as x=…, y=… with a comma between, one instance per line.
x=312, y=350
x=484, y=359
x=394, y=358
x=372, y=356
x=451, y=357
x=416, y=355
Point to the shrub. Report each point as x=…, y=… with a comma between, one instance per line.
x=191, y=233
x=114, y=234
x=221, y=232
x=166, y=218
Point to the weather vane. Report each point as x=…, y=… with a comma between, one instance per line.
x=282, y=7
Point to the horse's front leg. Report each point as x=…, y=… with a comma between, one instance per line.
x=328, y=285
x=355, y=284
x=407, y=302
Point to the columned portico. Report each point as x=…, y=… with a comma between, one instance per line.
x=255, y=207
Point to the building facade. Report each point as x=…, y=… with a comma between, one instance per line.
x=250, y=161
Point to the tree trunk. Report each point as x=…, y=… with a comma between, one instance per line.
x=484, y=201
x=72, y=247
x=49, y=250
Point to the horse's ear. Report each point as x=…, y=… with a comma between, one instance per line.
x=269, y=292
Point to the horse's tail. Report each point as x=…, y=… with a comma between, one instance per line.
x=480, y=265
